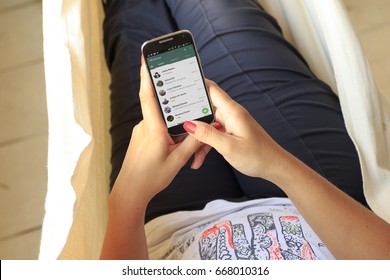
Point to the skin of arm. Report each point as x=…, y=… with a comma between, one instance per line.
x=152, y=160
x=349, y=230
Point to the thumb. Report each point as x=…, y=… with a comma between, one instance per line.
x=208, y=134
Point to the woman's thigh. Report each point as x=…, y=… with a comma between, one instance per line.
x=243, y=50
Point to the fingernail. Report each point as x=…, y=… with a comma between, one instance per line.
x=189, y=127
x=217, y=125
x=193, y=166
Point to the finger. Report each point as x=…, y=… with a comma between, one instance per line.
x=209, y=135
x=183, y=151
x=150, y=109
x=200, y=156
x=217, y=93
x=224, y=105
x=201, y=153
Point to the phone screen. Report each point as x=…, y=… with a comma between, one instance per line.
x=179, y=84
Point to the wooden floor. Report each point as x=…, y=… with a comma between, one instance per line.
x=23, y=122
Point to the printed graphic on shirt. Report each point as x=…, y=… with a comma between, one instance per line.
x=222, y=233
x=243, y=249
x=264, y=237
x=227, y=241
x=298, y=247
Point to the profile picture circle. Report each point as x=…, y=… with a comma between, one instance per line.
x=157, y=75
x=167, y=110
x=160, y=83
x=165, y=101
x=170, y=118
x=162, y=92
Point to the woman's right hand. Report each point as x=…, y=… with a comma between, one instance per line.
x=248, y=148
x=241, y=141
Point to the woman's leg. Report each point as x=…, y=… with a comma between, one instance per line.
x=243, y=50
x=127, y=25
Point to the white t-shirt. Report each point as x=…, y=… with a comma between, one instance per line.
x=257, y=229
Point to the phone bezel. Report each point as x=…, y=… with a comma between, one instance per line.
x=162, y=44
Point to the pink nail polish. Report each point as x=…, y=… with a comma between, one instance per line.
x=189, y=127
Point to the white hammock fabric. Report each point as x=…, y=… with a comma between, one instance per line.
x=78, y=107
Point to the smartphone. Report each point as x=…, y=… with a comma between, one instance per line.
x=177, y=76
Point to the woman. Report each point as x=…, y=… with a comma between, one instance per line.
x=301, y=141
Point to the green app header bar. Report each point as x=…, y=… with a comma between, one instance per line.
x=170, y=57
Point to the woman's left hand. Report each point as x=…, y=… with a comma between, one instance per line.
x=153, y=158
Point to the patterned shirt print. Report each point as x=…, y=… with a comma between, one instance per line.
x=266, y=229
x=226, y=241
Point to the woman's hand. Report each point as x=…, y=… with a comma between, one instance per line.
x=359, y=233
x=242, y=141
x=152, y=160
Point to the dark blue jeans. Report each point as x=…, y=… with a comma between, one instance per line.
x=243, y=50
